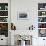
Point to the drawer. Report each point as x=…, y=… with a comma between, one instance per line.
x=3, y=41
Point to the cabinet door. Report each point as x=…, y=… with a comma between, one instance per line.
x=40, y=42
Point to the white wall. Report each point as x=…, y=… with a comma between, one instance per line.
x=24, y=6
x=31, y=7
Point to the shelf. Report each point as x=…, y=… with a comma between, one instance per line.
x=41, y=28
x=41, y=10
x=3, y=16
x=42, y=16
x=3, y=22
x=41, y=22
x=3, y=10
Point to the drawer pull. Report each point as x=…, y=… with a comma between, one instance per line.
x=1, y=39
x=43, y=39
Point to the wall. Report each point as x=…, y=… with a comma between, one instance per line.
x=23, y=6
x=31, y=7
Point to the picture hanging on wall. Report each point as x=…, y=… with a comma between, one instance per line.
x=42, y=33
x=22, y=16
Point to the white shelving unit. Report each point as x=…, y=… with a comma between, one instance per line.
x=3, y=13
x=4, y=23
x=42, y=19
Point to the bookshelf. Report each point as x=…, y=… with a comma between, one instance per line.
x=4, y=19
x=42, y=19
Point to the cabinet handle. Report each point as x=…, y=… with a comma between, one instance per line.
x=1, y=39
x=43, y=39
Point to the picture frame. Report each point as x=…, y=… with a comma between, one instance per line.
x=42, y=32
x=22, y=15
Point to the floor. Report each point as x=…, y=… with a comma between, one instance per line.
x=3, y=45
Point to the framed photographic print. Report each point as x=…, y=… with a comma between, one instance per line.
x=42, y=32
x=22, y=15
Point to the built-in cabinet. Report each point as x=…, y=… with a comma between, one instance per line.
x=41, y=24
x=4, y=19
x=4, y=23
x=42, y=19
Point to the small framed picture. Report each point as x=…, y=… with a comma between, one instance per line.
x=42, y=32
x=22, y=15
